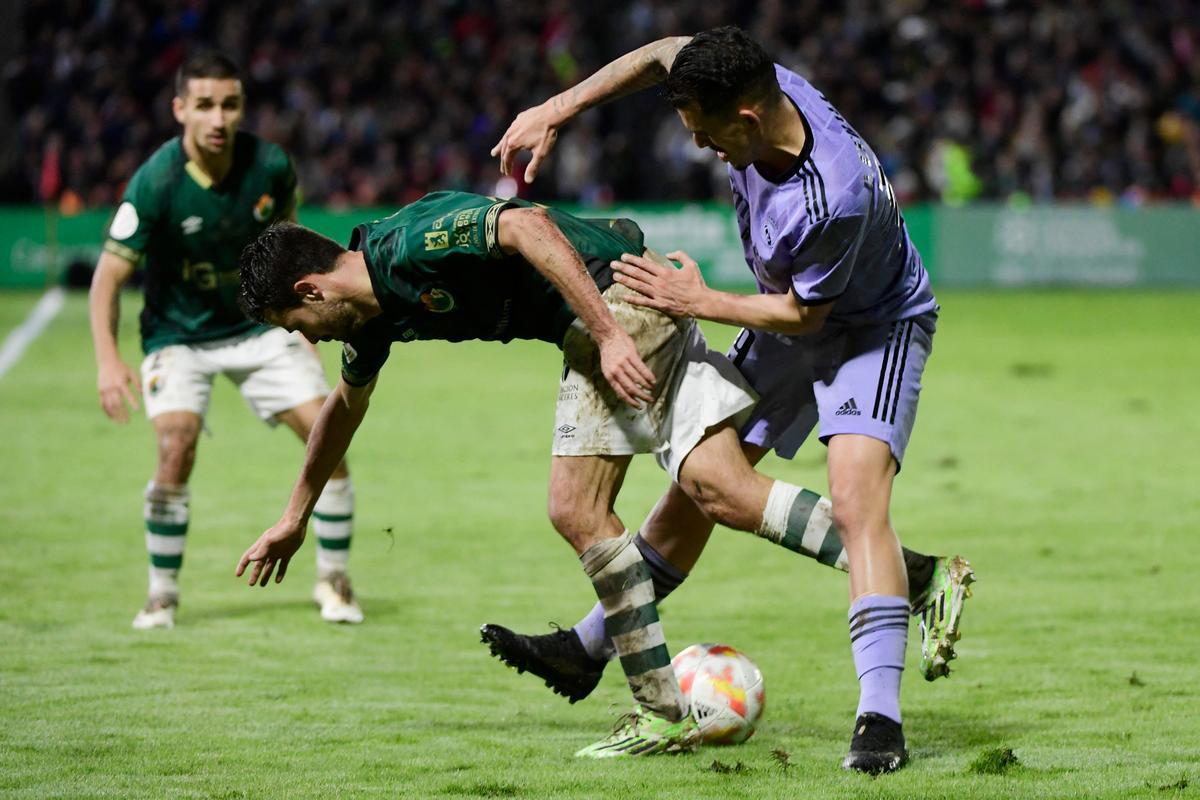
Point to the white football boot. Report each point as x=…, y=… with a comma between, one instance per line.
x=336, y=599
x=159, y=612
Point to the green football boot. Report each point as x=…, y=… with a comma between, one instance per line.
x=644, y=733
x=940, y=610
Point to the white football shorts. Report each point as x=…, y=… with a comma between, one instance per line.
x=695, y=389
x=274, y=370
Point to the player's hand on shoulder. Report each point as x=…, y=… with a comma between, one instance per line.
x=536, y=130
x=274, y=549
x=117, y=385
x=624, y=369
x=677, y=292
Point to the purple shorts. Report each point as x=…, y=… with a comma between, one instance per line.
x=851, y=380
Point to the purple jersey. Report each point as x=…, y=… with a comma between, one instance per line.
x=830, y=229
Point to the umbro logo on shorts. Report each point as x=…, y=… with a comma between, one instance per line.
x=849, y=408
x=566, y=430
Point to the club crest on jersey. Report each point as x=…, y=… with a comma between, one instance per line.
x=156, y=385
x=438, y=301
x=264, y=209
x=348, y=352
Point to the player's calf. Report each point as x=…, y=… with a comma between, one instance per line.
x=333, y=523
x=622, y=582
x=166, y=516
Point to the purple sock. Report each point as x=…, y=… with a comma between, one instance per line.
x=590, y=631
x=878, y=634
x=666, y=577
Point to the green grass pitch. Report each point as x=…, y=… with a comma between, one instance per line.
x=1056, y=447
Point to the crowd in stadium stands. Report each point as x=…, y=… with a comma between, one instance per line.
x=380, y=102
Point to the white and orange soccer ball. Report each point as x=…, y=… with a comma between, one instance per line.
x=724, y=689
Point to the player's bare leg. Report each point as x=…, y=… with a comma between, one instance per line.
x=572, y=661
x=583, y=490
x=166, y=514
x=333, y=521
x=677, y=529
x=861, y=471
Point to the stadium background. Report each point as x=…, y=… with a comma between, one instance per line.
x=1048, y=154
x=1097, y=105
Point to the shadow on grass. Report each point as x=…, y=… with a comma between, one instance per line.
x=265, y=605
x=946, y=732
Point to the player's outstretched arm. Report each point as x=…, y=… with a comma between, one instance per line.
x=336, y=423
x=683, y=293
x=532, y=233
x=536, y=129
x=116, y=382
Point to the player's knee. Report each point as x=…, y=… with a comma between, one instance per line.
x=846, y=520
x=177, y=448
x=721, y=502
x=574, y=521
x=856, y=513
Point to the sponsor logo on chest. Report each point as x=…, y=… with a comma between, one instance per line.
x=191, y=225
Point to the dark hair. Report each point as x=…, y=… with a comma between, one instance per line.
x=272, y=263
x=719, y=68
x=206, y=64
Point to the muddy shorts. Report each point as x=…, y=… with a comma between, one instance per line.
x=695, y=388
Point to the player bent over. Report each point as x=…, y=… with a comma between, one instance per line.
x=186, y=215
x=455, y=266
x=837, y=337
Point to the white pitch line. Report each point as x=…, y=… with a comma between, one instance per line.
x=24, y=334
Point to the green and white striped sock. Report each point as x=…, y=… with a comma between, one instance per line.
x=623, y=583
x=166, y=517
x=802, y=521
x=333, y=522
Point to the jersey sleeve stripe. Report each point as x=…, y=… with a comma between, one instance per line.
x=358, y=381
x=118, y=249
x=491, y=229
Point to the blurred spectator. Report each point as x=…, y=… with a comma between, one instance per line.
x=382, y=101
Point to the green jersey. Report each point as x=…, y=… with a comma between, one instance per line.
x=438, y=273
x=189, y=232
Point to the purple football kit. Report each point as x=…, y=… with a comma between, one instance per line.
x=830, y=231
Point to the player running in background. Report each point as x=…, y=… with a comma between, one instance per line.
x=186, y=215
x=457, y=266
x=838, y=335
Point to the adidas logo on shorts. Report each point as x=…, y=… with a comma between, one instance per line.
x=849, y=408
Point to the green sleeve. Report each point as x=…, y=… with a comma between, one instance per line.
x=136, y=218
x=362, y=358
x=451, y=225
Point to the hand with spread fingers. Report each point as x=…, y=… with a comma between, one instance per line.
x=274, y=548
x=678, y=292
x=536, y=130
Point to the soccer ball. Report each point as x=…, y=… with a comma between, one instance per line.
x=724, y=690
